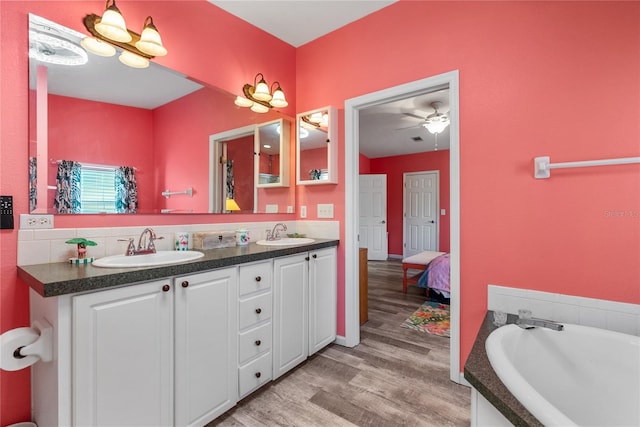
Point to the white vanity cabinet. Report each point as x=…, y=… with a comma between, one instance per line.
x=160, y=353
x=304, y=306
x=255, y=331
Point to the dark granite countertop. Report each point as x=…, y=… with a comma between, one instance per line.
x=62, y=278
x=480, y=374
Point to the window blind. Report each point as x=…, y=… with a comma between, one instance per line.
x=98, y=189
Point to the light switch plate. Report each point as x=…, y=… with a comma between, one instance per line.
x=325, y=210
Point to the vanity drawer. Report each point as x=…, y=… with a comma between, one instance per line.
x=255, y=277
x=254, y=374
x=254, y=342
x=254, y=310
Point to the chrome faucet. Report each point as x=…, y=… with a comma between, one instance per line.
x=525, y=321
x=275, y=233
x=144, y=246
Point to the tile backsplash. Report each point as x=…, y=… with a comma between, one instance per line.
x=48, y=245
x=604, y=314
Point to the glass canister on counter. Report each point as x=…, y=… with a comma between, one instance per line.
x=242, y=237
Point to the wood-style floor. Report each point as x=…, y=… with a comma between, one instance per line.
x=394, y=377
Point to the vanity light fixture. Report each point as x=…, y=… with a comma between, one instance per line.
x=436, y=122
x=260, y=97
x=110, y=30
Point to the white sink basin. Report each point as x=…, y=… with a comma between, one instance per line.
x=287, y=241
x=149, y=260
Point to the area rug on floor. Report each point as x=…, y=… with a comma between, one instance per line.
x=431, y=317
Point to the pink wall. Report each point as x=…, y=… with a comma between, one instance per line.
x=187, y=30
x=76, y=133
x=394, y=168
x=241, y=152
x=535, y=78
x=365, y=164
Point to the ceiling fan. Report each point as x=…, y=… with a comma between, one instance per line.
x=435, y=122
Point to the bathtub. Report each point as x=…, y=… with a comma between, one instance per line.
x=579, y=376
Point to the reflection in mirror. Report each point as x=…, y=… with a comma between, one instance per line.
x=273, y=160
x=107, y=114
x=317, y=149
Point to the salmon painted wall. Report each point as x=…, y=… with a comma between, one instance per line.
x=241, y=152
x=536, y=78
x=394, y=167
x=190, y=31
x=75, y=133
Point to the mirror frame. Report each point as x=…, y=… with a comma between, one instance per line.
x=332, y=147
x=283, y=157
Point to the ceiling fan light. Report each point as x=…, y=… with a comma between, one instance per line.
x=150, y=41
x=316, y=117
x=112, y=25
x=133, y=60
x=436, y=126
x=259, y=108
x=97, y=46
x=303, y=133
x=241, y=101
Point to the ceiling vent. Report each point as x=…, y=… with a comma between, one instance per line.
x=417, y=138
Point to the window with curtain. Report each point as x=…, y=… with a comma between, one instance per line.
x=95, y=188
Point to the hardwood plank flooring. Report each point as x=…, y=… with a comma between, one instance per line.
x=394, y=377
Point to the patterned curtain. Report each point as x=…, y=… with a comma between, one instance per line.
x=67, y=198
x=33, y=184
x=231, y=183
x=126, y=190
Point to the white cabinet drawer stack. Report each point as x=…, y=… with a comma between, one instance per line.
x=255, y=309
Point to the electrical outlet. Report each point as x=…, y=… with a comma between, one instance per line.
x=28, y=221
x=325, y=210
x=303, y=211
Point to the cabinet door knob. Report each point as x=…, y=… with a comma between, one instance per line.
x=258, y=374
x=185, y=284
x=258, y=279
x=306, y=259
x=258, y=310
x=258, y=342
x=166, y=288
x=314, y=256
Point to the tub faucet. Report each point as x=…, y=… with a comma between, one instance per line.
x=525, y=321
x=275, y=233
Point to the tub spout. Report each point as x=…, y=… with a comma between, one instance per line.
x=525, y=321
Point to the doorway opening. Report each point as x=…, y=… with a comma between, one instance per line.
x=352, y=108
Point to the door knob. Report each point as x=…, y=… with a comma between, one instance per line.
x=432, y=222
x=383, y=222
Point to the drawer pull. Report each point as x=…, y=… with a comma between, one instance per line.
x=306, y=259
x=258, y=374
x=258, y=279
x=185, y=284
x=166, y=288
x=258, y=310
x=258, y=342
x=314, y=256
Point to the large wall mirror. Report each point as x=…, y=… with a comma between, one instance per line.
x=150, y=128
x=317, y=149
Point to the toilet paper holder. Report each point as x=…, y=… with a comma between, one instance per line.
x=42, y=348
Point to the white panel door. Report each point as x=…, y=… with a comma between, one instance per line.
x=420, y=212
x=373, y=216
x=206, y=343
x=290, y=313
x=123, y=356
x=323, y=279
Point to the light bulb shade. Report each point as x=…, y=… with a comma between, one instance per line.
x=97, y=47
x=436, y=125
x=259, y=108
x=231, y=205
x=133, y=60
x=241, y=101
x=261, y=91
x=112, y=25
x=278, y=99
x=150, y=41
x=315, y=117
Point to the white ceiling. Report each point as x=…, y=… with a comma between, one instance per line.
x=300, y=21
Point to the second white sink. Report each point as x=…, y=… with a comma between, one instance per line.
x=287, y=241
x=148, y=260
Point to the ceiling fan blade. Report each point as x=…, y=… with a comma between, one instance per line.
x=409, y=127
x=415, y=116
